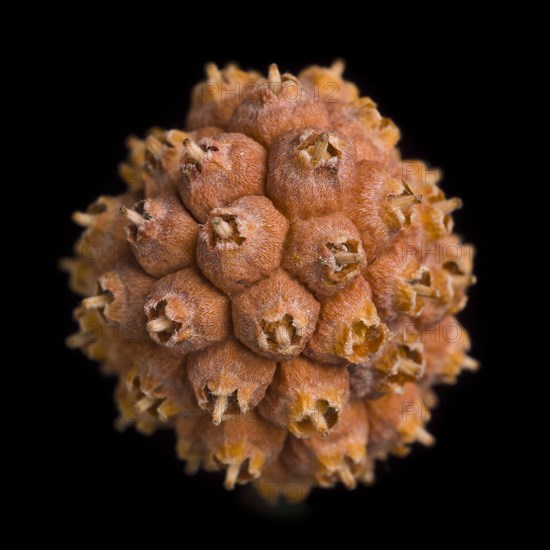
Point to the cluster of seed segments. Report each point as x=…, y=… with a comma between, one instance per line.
x=276, y=285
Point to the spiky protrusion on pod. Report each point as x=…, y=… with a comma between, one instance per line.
x=306, y=397
x=228, y=378
x=276, y=317
x=324, y=253
x=218, y=170
x=311, y=172
x=241, y=243
x=162, y=234
x=339, y=457
x=446, y=346
x=282, y=227
x=380, y=207
x=214, y=100
x=275, y=106
x=242, y=445
x=349, y=329
x=185, y=313
x=395, y=422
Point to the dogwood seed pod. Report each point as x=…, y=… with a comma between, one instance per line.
x=242, y=445
x=380, y=207
x=311, y=172
x=341, y=456
x=306, y=397
x=189, y=446
x=162, y=235
x=446, y=346
x=214, y=100
x=219, y=170
x=324, y=253
x=276, y=317
x=120, y=298
x=374, y=136
x=395, y=422
x=185, y=313
x=328, y=85
x=228, y=378
x=242, y=243
x=275, y=106
x=400, y=284
x=349, y=329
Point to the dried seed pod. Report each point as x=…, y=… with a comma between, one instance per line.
x=306, y=397
x=380, y=207
x=101, y=245
x=311, y=172
x=341, y=456
x=324, y=253
x=400, y=284
x=276, y=317
x=120, y=298
x=275, y=106
x=241, y=243
x=328, y=85
x=158, y=380
x=349, y=328
x=189, y=446
x=446, y=346
x=242, y=445
x=219, y=170
x=162, y=234
x=185, y=313
x=214, y=100
x=374, y=136
x=396, y=421
x=396, y=363
x=229, y=379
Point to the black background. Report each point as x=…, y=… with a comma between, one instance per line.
x=451, y=77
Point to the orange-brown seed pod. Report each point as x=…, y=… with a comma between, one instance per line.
x=242, y=243
x=242, y=445
x=349, y=329
x=328, y=85
x=324, y=253
x=276, y=317
x=120, y=298
x=400, y=284
x=228, y=378
x=446, y=346
x=213, y=101
x=275, y=106
x=397, y=362
x=162, y=234
x=396, y=421
x=311, y=172
x=341, y=456
x=159, y=380
x=306, y=397
x=219, y=170
x=380, y=207
x=186, y=313
x=279, y=482
x=102, y=243
x=374, y=136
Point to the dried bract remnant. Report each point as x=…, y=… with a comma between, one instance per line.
x=278, y=286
